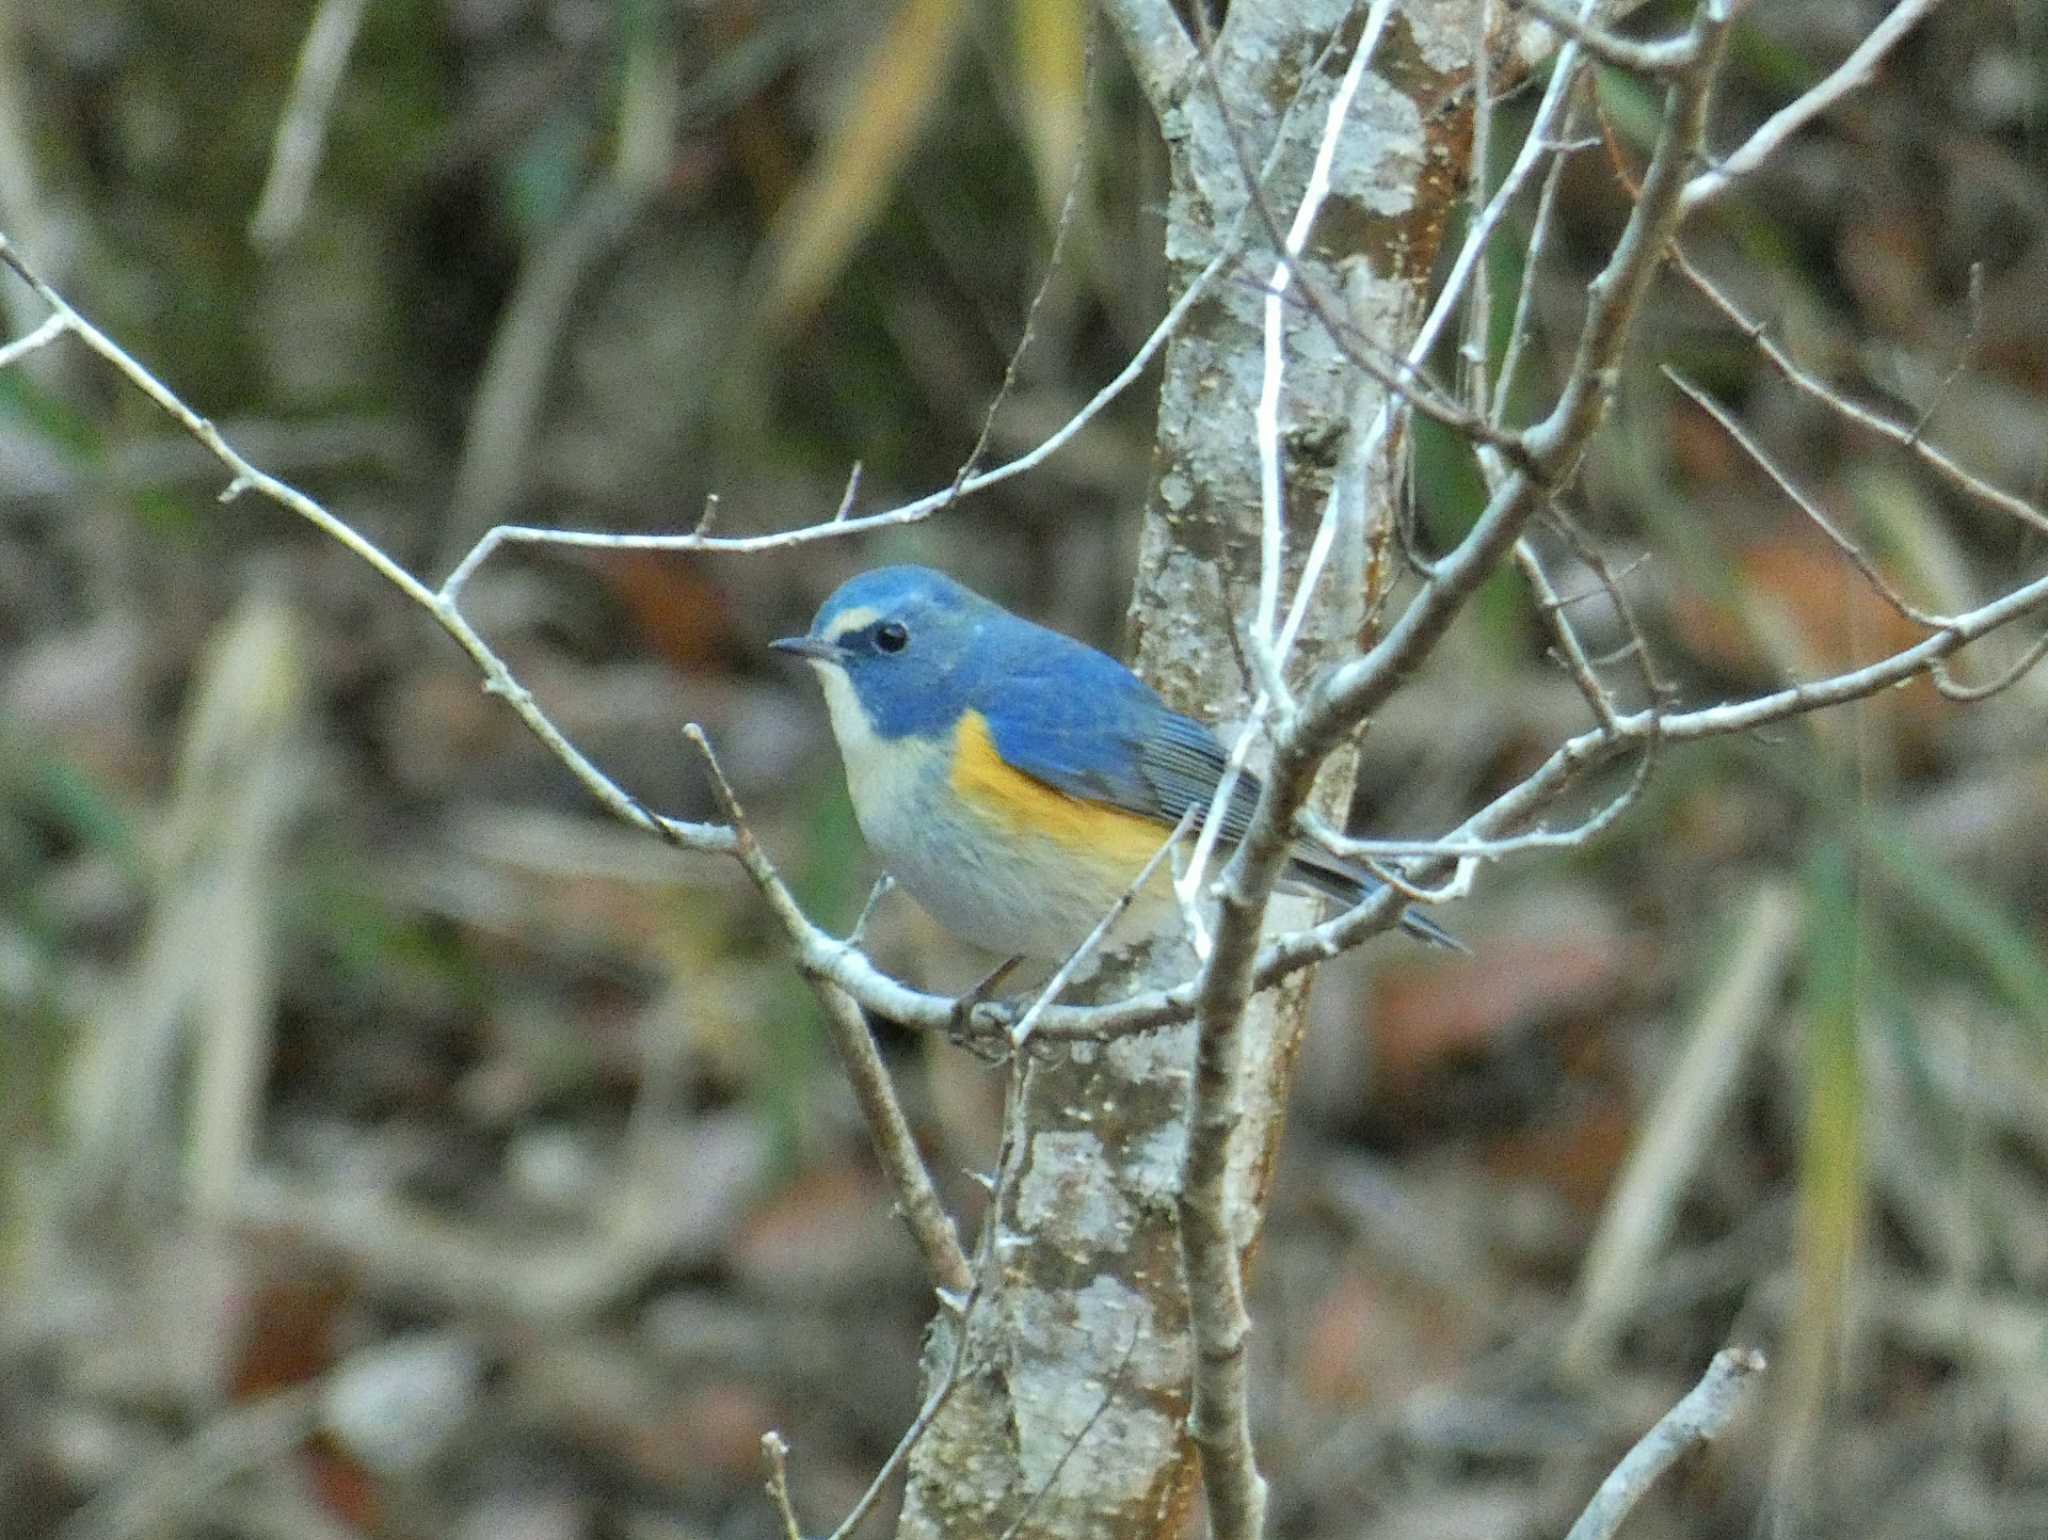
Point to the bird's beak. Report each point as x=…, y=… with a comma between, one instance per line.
x=816, y=649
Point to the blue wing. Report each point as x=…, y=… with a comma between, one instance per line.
x=1084, y=724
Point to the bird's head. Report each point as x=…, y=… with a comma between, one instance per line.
x=899, y=651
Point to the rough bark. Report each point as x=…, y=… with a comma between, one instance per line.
x=1073, y=1405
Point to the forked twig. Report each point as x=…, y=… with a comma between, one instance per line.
x=1907, y=437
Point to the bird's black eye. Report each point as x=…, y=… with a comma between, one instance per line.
x=891, y=636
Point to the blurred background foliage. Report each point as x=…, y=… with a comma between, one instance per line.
x=355, y=1075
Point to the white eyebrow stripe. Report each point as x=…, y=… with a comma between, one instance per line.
x=849, y=621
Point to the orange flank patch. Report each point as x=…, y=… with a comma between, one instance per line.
x=997, y=790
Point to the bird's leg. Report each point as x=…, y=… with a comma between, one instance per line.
x=980, y=994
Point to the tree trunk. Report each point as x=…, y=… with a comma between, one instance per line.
x=1074, y=1395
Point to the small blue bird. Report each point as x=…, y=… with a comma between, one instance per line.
x=1012, y=779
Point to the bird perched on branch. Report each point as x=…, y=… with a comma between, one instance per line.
x=1016, y=781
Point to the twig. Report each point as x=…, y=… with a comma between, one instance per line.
x=1396, y=373
x=1909, y=438
x=1567, y=764
x=775, y=1452
x=1220, y=1420
x=985, y=1275
x=1661, y=57
x=847, y=498
x=1522, y=329
x=245, y=477
x=884, y=886
x=1851, y=74
x=1062, y=227
x=888, y=1129
x=1553, y=448
x=497, y=445
x=1477, y=346
x=1268, y=653
x=1858, y=557
x=1400, y=376
x=52, y=327
x=1570, y=650
x=1554, y=445
x=1563, y=80
x=2003, y=680
x=841, y=528
x=1116, y=1380
x=1187, y=881
x=1265, y=642
x=1700, y=1418
x=1020, y=1033
x=1966, y=353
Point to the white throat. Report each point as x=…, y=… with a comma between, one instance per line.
x=860, y=746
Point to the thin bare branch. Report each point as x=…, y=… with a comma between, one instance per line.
x=1535, y=146
x=2005, y=679
x=1554, y=445
x=1363, y=448
x=1907, y=437
x=1567, y=765
x=888, y=1129
x=1655, y=57
x=1220, y=1420
x=1966, y=353
x=1391, y=373
x=848, y=498
x=842, y=528
x=1571, y=652
x=245, y=477
x=52, y=327
x=775, y=1453
x=1477, y=346
x=1522, y=331
x=1265, y=643
x=1858, y=557
x=884, y=886
x=1016, y=1525
x=1020, y=1034
x=1850, y=75
x=1396, y=374
x=1700, y=1418
x=1062, y=228
x=986, y=1276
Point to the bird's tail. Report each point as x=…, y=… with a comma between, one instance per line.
x=1320, y=872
